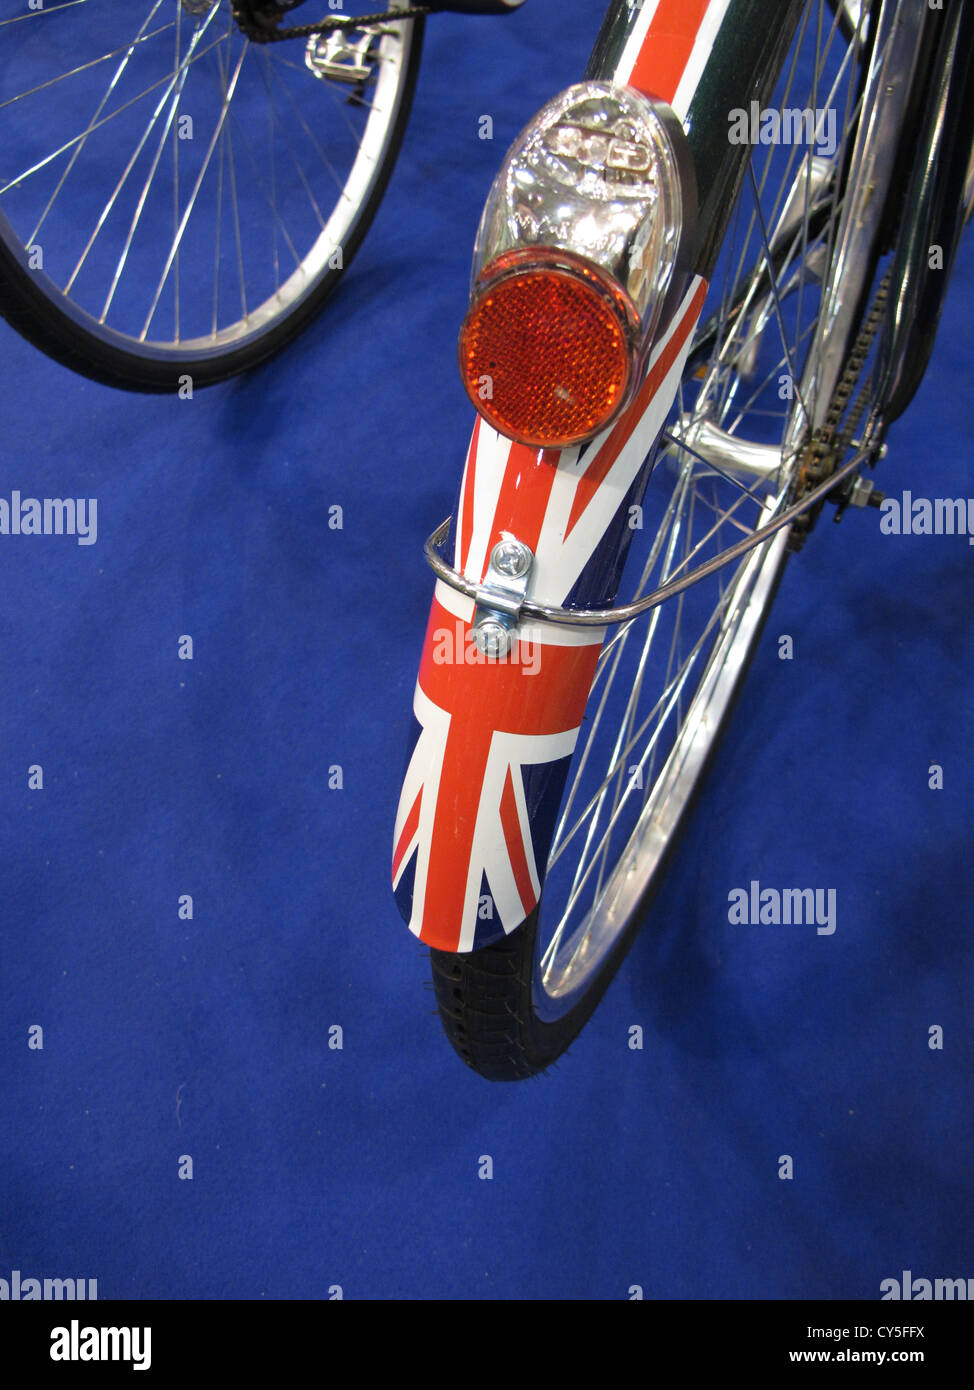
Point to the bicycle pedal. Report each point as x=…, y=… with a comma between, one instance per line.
x=338, y=57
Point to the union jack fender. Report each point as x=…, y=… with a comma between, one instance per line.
x=494, y=737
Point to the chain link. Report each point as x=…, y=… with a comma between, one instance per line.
x=827, y=444
x=261, y=27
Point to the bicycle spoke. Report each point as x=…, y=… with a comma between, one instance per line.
x=299, y=116
x=616, y=645
x=143, y=197
x=175, y=184
x=41, y=14
x=100, y=125
x=101, y=106
x=83, y=67
x=647, y=714
x=179, y=79
x=193, y=196
x=295, y=161
x=658, y=713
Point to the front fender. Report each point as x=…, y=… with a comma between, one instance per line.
x=485, y=778
x=493, y=739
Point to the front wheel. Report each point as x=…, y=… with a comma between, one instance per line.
x=511, y=1009
x=728, y=462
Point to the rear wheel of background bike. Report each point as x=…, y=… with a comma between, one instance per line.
x=176, y=200
x=666, y=683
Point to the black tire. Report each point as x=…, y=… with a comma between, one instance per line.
x=35, y=308
x=485, y=998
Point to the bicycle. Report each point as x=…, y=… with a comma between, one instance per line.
x=181, y=189
x=686, y=337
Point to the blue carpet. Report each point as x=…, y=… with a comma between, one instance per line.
x=314, y=1166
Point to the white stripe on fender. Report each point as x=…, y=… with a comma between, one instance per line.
x=635, y=42
x=560, y=561
x=423, y=771
x=493, y=451
x=524, y=820
x=469, y=471
x=454, y=602
x=702, y=49
x=489, y=853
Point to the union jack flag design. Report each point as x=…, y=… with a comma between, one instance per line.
x=487, y=771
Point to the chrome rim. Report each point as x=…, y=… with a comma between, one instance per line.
x=726, y=464
x=175, y=189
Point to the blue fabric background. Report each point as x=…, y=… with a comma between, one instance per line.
x=359, y=1167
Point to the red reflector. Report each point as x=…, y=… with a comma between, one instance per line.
x=547, y=347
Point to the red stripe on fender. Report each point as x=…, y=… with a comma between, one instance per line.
x=408, y=831
x=452, y=843
x=667, y=47
x=500, y=694
x=481, y=699
x=524, y=495
x=514, y=839
x=599, y=467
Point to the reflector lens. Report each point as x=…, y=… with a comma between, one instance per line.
x=546, y=348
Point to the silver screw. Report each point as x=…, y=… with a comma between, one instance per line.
x=511, y=558
x=491, y=637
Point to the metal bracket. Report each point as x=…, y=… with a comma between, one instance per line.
x=778, y=515
x=501, y=597
x=859, y=492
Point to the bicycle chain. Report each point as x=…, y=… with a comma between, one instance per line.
x=827, y=443
x=261, y=27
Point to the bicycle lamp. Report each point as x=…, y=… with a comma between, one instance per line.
x=579, y=251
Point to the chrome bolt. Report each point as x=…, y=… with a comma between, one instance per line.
x=511, y=558
x=491, y=637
